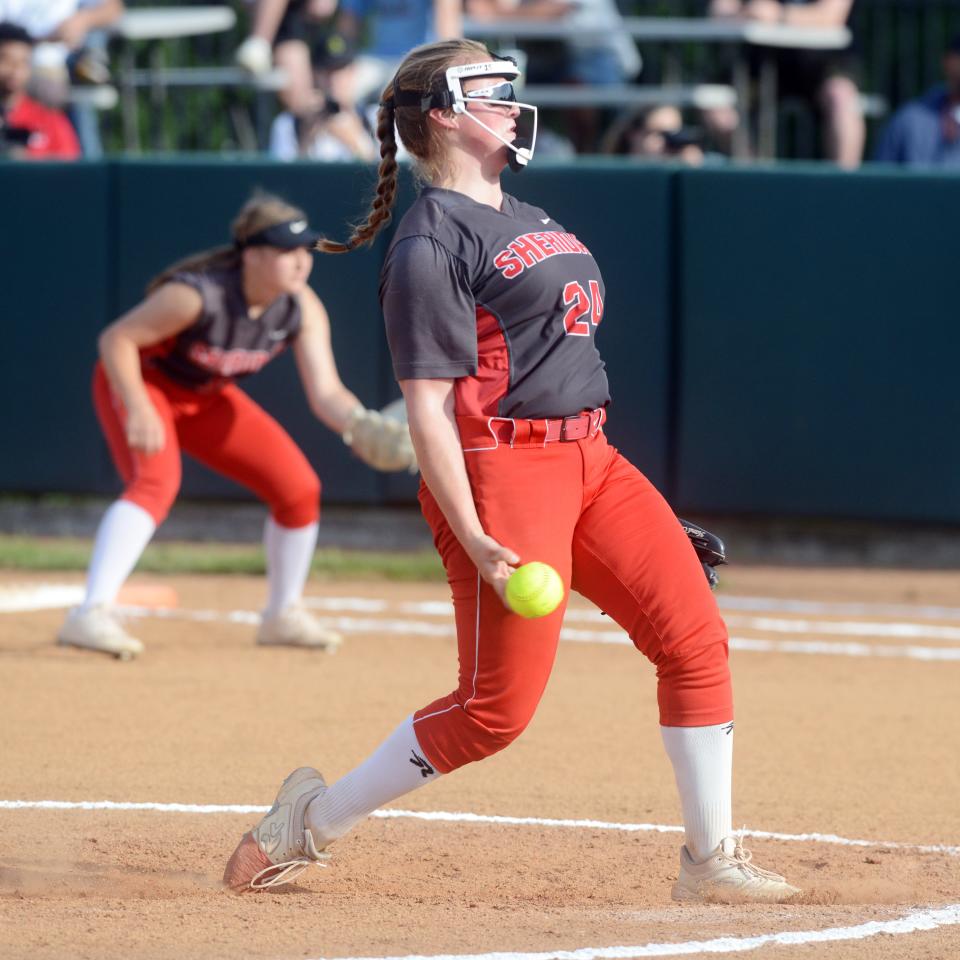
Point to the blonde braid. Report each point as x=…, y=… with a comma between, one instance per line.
x=382, y=206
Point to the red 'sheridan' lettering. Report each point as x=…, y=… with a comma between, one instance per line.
x=529, y=249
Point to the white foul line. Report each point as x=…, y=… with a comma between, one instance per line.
x=760, y=645
x=856, y=628
x=782, y=605
x=48, y=596
x=423, y=628
x=16, y=598
x=443, y=816
x=912, y=922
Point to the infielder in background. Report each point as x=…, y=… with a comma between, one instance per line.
x=165, y=383
x=491, y=309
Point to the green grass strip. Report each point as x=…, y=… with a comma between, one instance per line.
x=61, y=553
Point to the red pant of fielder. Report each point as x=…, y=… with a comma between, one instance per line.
x=223, y=429
x=589, y=513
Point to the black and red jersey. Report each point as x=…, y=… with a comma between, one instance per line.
x=225, y=343
x=506, y=302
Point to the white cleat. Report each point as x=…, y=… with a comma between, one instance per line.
x=295, y=627
x=255, y=55
x=96, y=628
x=279, y=848
x=728, y=876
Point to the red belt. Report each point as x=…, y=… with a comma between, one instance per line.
x=487, y=433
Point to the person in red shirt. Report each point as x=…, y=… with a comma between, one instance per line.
x=28, y=129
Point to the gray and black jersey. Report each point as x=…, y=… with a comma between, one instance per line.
x=225, y=343
x=506, y=302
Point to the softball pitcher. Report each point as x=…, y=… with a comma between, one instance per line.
x=165, y=383
x=492, y=309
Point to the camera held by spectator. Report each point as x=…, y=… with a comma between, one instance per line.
x=28, y=128
x=656, y=134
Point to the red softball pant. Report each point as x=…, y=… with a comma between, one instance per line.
x=223, y=429
x=584, y=509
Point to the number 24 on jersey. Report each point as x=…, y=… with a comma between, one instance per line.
x=580, y=304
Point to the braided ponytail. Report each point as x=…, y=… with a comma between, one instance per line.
x=382, y=206
x=422, y=70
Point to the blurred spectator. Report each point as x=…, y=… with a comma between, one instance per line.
x=28, y=129
x=88, y=61
x=926, y=132
x=337, y=131
x=488, y=10
x=825, y=77
x=46, y=20
x=611, y=58
x=598, y=50
x=295, y=34
x=63, y=25
x=392, y=28
x=67, y=46
x=285, y=34
x=542, y=61
x=655, y=134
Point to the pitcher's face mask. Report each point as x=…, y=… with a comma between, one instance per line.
x=498, y=93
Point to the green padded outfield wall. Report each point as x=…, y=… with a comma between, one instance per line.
x=779, y=342
x=819, y=344
x=55, y=281
x=626, y=221
x=109, y=228
x=165, y=210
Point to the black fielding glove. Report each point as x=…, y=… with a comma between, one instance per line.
x=710, y=549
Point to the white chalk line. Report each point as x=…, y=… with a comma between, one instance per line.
x=839, y=628
x=442, y=816
x=839, y=609
x=423, y=628
x=815, y=647
x=51, y=596
x=771, y=624
x=25, y=598
x=913, y=922
x=724, y=600
x=17, y=598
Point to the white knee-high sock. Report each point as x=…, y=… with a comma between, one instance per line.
x=289, y=552
x=124, y=532
x=396, y=767
x=702, y=759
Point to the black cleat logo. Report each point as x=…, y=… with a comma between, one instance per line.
x=728, y=729
x=425, y=769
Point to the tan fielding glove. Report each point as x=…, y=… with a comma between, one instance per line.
x=381, y=440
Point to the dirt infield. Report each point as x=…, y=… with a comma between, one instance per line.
x=848, y=725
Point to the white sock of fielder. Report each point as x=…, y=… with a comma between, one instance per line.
x=702, y=759
x=124, y=532
x=396, y=767
x=289, y=552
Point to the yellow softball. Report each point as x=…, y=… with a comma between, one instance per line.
x=534, y=590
